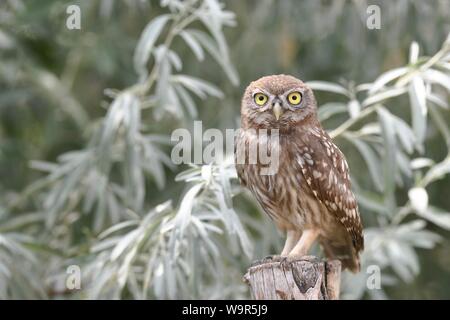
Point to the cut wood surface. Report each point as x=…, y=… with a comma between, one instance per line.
x=307, y=278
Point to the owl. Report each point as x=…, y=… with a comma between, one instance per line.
x=309, y=196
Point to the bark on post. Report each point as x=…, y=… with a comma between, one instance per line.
x=305, y=279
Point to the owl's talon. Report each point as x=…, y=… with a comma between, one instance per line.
x=267, y=259
x=271, y=258
x=288, y=260
x=285, y=261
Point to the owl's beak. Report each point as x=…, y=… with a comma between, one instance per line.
x=277, y=110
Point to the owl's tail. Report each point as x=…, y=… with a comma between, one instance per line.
x=345, y=252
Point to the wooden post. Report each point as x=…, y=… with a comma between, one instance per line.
x=307, y=278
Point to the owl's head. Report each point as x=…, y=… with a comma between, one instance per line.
x=277, y=102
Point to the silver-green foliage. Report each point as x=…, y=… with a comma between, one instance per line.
x=395, y=154
x=199, y=244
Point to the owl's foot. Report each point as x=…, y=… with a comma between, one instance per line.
x=272, y=258
x=288, y=260
x=267, y=259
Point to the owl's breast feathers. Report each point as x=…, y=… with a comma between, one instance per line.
x=312, y=176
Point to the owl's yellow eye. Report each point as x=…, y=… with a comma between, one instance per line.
x=260, y=99
x=295, y=98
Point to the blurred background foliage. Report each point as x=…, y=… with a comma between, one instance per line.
x=86, y=117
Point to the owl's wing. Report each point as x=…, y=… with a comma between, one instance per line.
x=326, y=172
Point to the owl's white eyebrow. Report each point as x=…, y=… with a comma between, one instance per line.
x=298, y=89
x=259, y=90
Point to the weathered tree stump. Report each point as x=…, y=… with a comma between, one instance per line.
x=305, y=279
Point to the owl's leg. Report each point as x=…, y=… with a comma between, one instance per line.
x=304, y=244
x=292, y=237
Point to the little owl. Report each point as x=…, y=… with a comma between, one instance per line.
x=309, y=196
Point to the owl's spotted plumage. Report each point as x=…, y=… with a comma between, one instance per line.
x=309, y=196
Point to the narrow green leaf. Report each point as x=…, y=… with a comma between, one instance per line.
x=417, y=95
x=329, y=87
x=146, y=43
